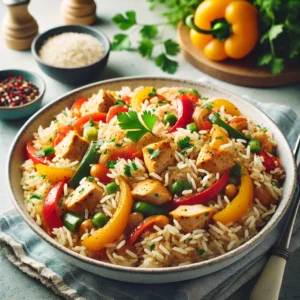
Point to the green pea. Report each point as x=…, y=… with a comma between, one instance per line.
x=48, y=150
x=71, y=221
x=100, y=219
x=170, y=118
x=112, y=188
x=192, y=127
x=254, y=146
x=90, y=133
x=179, y=186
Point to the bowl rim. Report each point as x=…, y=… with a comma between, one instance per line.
x=166, y=270
x=99, y=32
x=42, y=90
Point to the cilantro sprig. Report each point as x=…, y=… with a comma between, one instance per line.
x=136, y=130
x=150, y=39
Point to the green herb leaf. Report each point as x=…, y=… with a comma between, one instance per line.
x=166, y=64
x=208, y=106
x=134, y=166
x=265, y=59
x=152, y=246
x=149, y=119
x=172, y=48
x=125, y=22
x=152, y=93
x=185, y=143
x=201, y=251
x=149, y=31
x=277, y=65
x=236, y=170
x=274, y=31
x=90, y=179
x=145, y=48
x=120, y=42
x=153, y=153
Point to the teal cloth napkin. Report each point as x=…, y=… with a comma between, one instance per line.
x=37, y=259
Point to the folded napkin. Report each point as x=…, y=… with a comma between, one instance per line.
x=37, y=259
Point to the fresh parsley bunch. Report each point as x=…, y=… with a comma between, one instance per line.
x=149, y=34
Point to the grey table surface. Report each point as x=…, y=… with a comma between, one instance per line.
x=13, y=283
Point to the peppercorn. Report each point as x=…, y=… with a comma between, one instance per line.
x=15, y=90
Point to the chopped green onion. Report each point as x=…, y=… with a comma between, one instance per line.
x=112, y=188
x=120, y=102
x=179, y=186
x=100, y=219
x=71, y=221
x=148, y=209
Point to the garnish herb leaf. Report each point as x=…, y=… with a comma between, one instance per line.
x=111, y=164
x=171, y=47
x=120, y=42
x=166, y=64
x=149, y=31
x=149, y=119
x=185, y=143
x=125, y=22
x=153, y=153
x=127, y=171
x=35, y=196
x=152, y=93
x=236, y=170
x=146, y=48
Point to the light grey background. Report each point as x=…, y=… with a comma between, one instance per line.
x=13, y=283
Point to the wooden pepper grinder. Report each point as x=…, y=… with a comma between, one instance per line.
x=81, y=12
x=19, y=27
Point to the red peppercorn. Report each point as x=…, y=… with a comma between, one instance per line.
x=21, y=95
x=11, y=95
x=9, y=85
x=20, y=77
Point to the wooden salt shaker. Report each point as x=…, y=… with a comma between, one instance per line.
x=19, y=27
x=81, y=12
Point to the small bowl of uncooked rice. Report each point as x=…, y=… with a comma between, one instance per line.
x=72, y=54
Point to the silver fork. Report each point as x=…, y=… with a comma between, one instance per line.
x=269, y=283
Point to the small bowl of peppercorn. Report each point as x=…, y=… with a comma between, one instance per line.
x=21, y=93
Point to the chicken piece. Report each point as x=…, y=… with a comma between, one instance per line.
x=164, y=158
x=214, y=160
x=192, y=217
x=264, y=196
x=86, y=196
x=264, y=140
x=72, y=147
x=147, y=139
x=151, y=191
x=199, y=116
x=176, y=175
x=105, y=101
x=239, y=123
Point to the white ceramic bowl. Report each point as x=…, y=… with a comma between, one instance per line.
x=142, y=275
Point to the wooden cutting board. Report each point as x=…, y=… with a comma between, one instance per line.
x=241, y=72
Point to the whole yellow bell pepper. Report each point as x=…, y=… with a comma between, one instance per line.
x=139, y=97
x=117, y=223
x=224, y=28
x=239, y=206
x=54, y=174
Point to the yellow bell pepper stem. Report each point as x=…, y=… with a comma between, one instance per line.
x=229, y=108
x=224, y=28
x=239, y=206
x=117, y=223
x=140, y=97
x=54, y=174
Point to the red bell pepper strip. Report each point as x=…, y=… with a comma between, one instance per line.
x=147, y=223
x=96, y=117
x=207, y=125
x=60, y=134
x=78, y=103
x=190, y=96
x=51, y=208
x=185, y=113
x=206, y=195
x=30, y=152
x=270, y=161
x=128, y=152
x=126, y=99
x=114, y=110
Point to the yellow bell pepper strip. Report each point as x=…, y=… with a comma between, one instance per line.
x=238, y=207
x=54, y=174
x=117, y=223
x=140, y=97
x=218, y=137
x=223, y=29
x=229, y=108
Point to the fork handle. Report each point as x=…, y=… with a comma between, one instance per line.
x=269, y=283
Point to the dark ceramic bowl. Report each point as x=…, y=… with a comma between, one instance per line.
x=26, y=110
x=72, y=75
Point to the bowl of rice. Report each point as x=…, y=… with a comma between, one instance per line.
x=151, y=179
x=72, y=54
